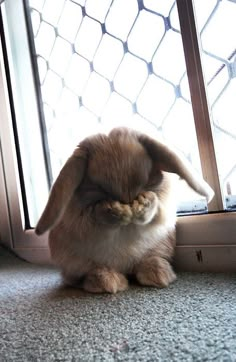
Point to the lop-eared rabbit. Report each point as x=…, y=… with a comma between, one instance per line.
x=112, y=211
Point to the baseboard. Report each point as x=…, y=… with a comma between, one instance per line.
x=206, y=258
x=34, y=255
x=202, y=258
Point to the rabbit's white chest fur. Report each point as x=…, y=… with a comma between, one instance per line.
x=126, y=246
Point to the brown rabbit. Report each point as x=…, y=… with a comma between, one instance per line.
x=112, y=211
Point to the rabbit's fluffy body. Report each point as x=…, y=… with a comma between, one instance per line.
x=112, y=212
x=79, y=237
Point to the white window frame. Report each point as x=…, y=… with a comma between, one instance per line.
x=204, y=242
x=13, y=229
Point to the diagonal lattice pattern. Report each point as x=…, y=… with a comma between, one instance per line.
x=106, y=63
x=217, y=28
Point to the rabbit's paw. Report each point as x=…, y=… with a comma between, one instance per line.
x=144, y=208
x=156, y=272
x=103, y=280
x=121, y=212
x=114, y=213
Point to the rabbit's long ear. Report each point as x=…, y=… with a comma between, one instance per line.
x=168, y=160
x=68, y=180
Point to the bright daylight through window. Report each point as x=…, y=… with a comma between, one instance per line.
x=107, y=63
x=217, y=26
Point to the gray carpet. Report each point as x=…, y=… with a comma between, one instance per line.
x=193, y=320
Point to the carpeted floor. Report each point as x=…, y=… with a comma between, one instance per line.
x=193, y=320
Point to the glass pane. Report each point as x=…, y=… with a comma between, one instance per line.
x=33, y=185
x=217, y=27
x=114, y=63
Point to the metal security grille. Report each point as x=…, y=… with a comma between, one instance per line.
x=217, y=28
x=107, y=63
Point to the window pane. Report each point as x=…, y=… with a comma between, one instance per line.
x=122, y=65
x=217, y=27
x=33, y=190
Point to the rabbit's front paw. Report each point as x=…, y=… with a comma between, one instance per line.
x=144, y=207
x=121, y=212
x=103, y=280
x=114, y=213
x=156, y=272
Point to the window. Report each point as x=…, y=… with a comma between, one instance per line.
x=79, y=67
x=218, y=53
x=102, y=69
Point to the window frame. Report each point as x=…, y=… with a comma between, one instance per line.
x=199, y=99
x=201, y=243
x=14, y=226
x=25, y=108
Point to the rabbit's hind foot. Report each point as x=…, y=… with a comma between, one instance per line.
x=104, y=280
x=156, y=272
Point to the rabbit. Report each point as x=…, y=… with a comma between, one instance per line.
x=112, y=212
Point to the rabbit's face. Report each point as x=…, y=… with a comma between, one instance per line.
x=119, y=167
